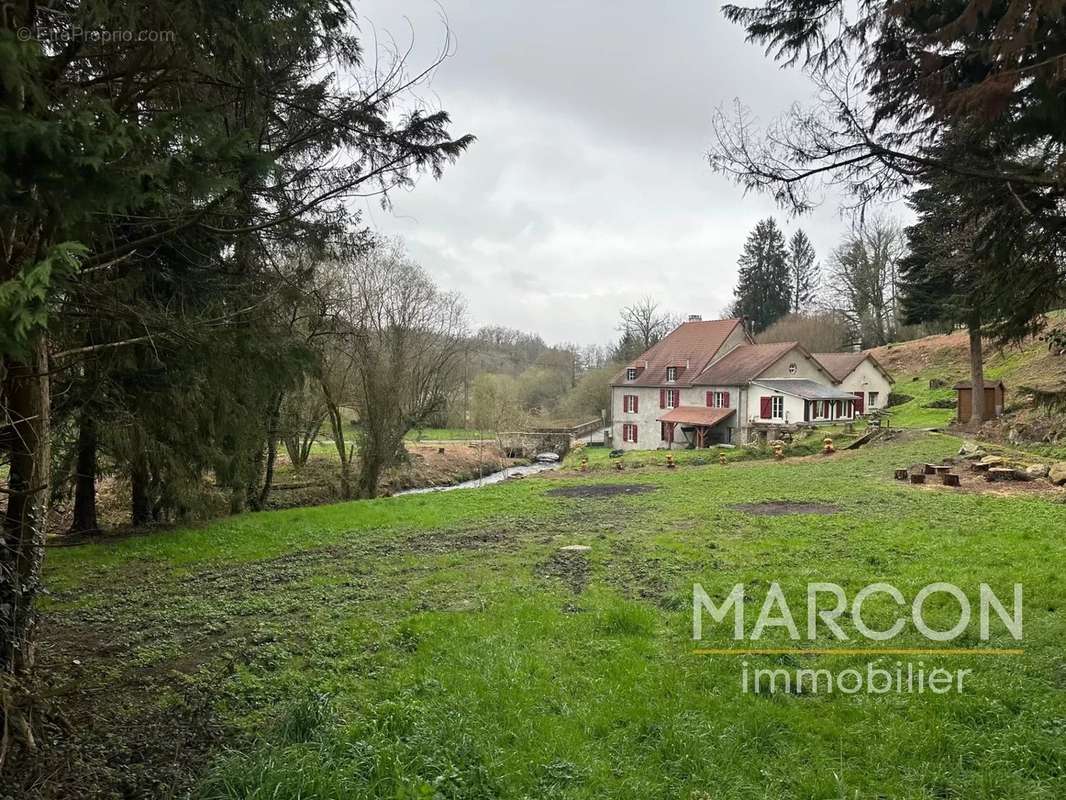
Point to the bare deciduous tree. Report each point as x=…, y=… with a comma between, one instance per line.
x=819, y=332
x=645, y=323
x=863, y=280
x=402, y=339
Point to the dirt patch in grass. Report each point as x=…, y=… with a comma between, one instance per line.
x=780, y=508
x=975, y=483
x=601, y=490
x=115, y=738
x=452, y=542
x=570, y=567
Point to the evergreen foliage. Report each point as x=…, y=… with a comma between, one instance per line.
x=764, y=288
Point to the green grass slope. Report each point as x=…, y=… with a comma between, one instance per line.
x=946, y=358
x=441, y=646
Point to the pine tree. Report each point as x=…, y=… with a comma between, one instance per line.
x=764, y=289
x=940, y=275
x=803, y=270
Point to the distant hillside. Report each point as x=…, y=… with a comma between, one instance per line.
x=945, y=360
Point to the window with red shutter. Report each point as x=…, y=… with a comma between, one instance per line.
x=636, y=403
x=710, y=399
x=634, y=427
x=725, y=399
x=662, y=398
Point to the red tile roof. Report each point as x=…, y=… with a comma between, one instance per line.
x=696, y=415
x=840, y=365
x=743, y=364
x=693, y=343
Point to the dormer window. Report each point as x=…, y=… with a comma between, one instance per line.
x=671, y=374
x=631, y=374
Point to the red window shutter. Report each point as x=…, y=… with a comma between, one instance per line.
x=636, y=402
x=725, y=399
x=710, y=399
x=662, y=398
x=859, y=405
x=634, y=427
x=825, y=409
x=764, y=407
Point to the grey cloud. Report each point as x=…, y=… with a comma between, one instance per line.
x=588, y=186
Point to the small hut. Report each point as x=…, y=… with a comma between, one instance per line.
x=994, y=394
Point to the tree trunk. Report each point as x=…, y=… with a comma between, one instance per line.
x=85, y=520
x=370, y=468
x=272, y=449
x=140, y=501
x=977, y=373
x=336, y=423
x=25, y=519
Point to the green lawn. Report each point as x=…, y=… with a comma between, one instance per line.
x=449, y=434
x=441, y=645
x=914, y=413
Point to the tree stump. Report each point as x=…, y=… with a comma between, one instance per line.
x=930, y=469
x=1000, y=474
x=918, y=478
x=901, y=474
x=948, y=479
x=977, y=466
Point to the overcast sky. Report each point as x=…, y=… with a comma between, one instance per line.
x=588, y=186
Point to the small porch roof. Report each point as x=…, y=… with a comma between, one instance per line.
x=805, y=389
x=696, y=415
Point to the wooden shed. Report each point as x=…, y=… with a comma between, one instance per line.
x=994, y=394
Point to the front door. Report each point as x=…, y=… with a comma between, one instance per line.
x=860, y=403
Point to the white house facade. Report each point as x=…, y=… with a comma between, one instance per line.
x=861, y=375
x=707, y=383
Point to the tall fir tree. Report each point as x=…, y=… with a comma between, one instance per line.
x=764, y=289
x=803, y=270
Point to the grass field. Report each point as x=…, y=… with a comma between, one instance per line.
x=442, y=646
x=915, y=413
x=449, y=434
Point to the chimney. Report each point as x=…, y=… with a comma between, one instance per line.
x=695, y=318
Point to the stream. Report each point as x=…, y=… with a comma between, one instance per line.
x=486, y=480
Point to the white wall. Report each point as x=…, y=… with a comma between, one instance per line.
x=867, y=378
x=648, y=413
x=806, y=369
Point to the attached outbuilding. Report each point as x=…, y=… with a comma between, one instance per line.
x=861, y=375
